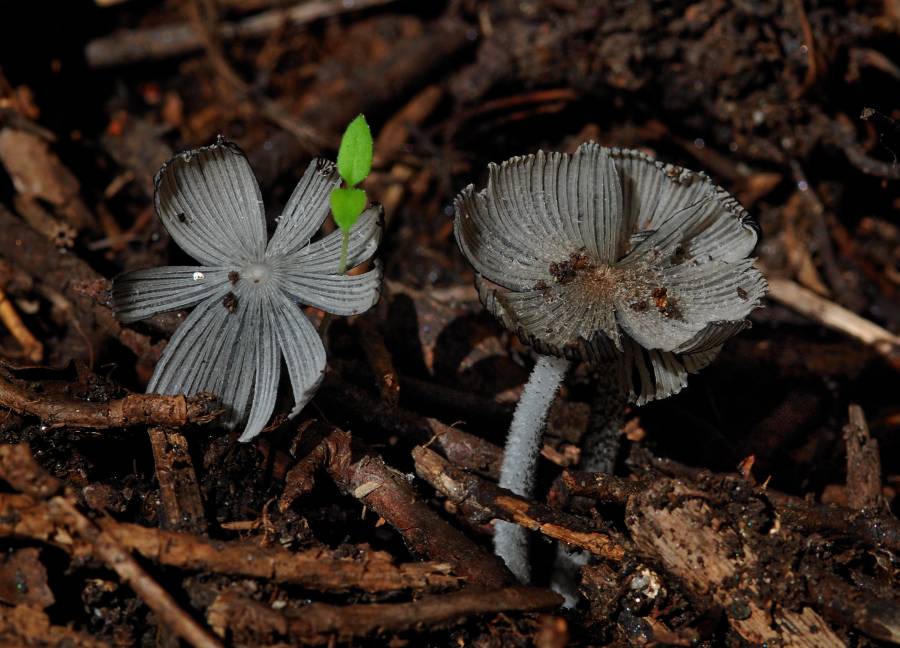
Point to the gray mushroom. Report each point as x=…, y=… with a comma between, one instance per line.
x=609, y=257
x=246, y=291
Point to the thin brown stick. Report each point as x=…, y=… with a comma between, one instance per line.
x=484, y=500
x=22, y=516
x=134, y=409
x=320, y=624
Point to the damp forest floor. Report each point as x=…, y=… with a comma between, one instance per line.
x=756, y=507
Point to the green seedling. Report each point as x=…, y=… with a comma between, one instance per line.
x=354, y=161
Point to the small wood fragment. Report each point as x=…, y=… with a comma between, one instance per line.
x=863, y=464
x=181, y=504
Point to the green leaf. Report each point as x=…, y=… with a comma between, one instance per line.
x=354, y=160
x=347, y=205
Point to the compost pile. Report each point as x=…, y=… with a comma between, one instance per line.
x=754, y=507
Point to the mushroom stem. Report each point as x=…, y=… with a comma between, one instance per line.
x=523, y=444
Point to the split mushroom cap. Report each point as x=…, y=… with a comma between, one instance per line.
x=612, y=257
x=247, y=290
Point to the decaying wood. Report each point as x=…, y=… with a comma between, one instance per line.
x=24, y=517
x=321, y=624
x=18, y=468
x=365, y=476
x=678, y=527
x=134, y=409
x=483, y=500
x=181, y=503
x=872, y=527
x=863, y=464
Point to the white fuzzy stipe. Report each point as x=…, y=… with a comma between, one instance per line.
x=520, y=456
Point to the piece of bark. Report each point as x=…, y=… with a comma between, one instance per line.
x=877, y=529
x=678, y=527
x=156, y=43
x=21, y=516
x=483, y=500
x=863, y=464
x=181, y=504
x=365, y=476
x=602, y=487
x=322, y=624
x=134, y=409
x=25, y=626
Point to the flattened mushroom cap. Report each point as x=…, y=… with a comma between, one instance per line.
x=609, y=256
x=247, y=293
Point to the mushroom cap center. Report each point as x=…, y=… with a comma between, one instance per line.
x=257, y=273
